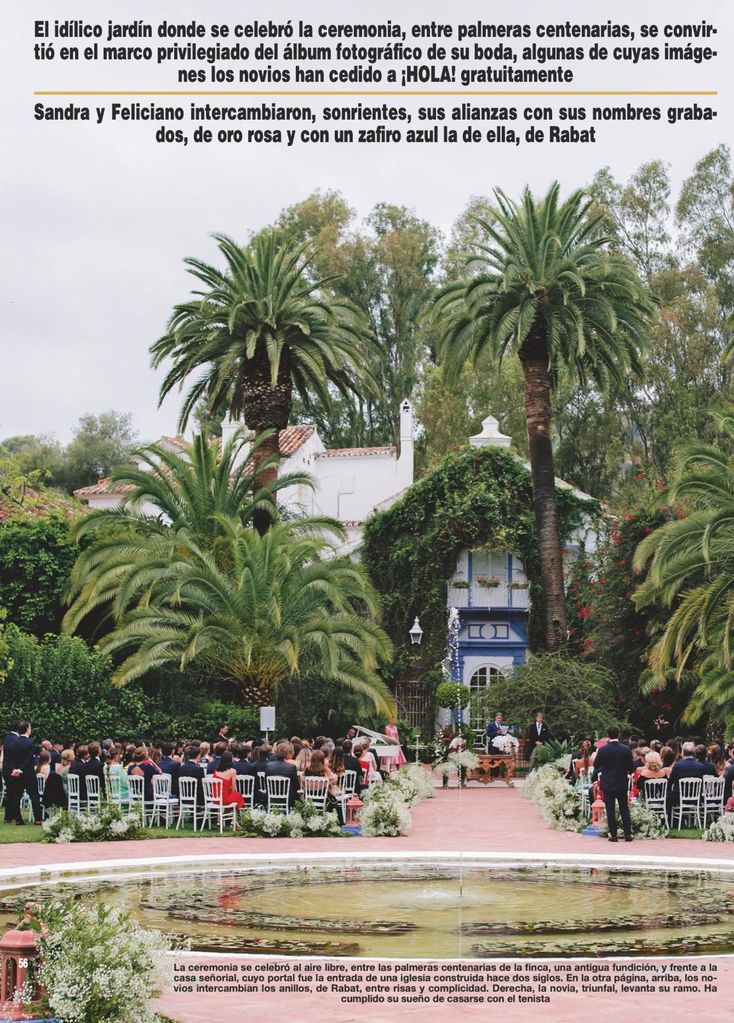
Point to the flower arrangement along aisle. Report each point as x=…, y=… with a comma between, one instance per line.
x=557, y=800
x=386, y=810
x=721, y=830
x=97, y=965
x=304, y=821
x=108, y=824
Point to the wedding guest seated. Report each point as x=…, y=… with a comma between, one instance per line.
x=715, y=757
x=318, y=768
x=43, y=764
x=227, y=775
x=113, y=769
x=65, y=762
x=191, y=768
x=667, y=755
x=689, y=766
x=652, y=770
x=54, y=793
x=143, y=766
x=169, y=766
x=352, y=764
x=242, y=764
x=729, y=772
x=280, y=768
x=219, y=749
x=367, y=762
x=204, y=754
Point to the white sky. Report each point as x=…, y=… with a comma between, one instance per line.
x=95, y=222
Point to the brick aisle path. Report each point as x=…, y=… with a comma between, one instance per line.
x=477, y=819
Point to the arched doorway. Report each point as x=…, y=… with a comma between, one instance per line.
x=482, y=677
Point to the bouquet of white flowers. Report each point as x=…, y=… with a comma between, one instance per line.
x=506, y=744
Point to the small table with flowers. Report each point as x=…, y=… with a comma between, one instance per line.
x=487, y=763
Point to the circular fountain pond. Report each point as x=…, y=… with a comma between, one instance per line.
x=421, y=909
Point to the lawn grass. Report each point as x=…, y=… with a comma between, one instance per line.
x=11, y=834
x=685, y=833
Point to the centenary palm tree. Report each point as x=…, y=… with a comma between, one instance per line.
x=261, y=328
x=282, y=604
x=191, y=488
x=691, y=565
x=542, y=285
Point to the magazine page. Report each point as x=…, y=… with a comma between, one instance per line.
x=366, y=544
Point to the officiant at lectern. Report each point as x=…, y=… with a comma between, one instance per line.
x=494, y=729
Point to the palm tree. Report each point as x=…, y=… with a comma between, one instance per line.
x=191, y=488
x=281, y=604
x=691, y=568
x=541, y=285
x=260, y=329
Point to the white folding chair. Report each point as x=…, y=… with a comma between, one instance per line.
x=113, y=785
x=187, y=801
x=92, y=785
x=261, y=786
x=163, y=801
x=73, y=793
x=348, y=783
x=655, y=795
x=712, y=800
x=278, y=790
x=245, y=785
x=136, y=796
x=689, y=801
x=213, y=806
x=315, y=791
x=585, y=789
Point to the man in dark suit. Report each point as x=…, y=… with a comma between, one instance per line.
x=92, y=767
x=494, y=728
x=352, y=764
x=278, y=768
x=612, y=767
x=18, y=761
x=170, y=766
x=689, y=766
x=729, y=772
x=537, y=734
x=7, y=743
x=191, y=768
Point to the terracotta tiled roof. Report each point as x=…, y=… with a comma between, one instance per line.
x=37, y=504
x=291, y=439
x=103, y=486
x=356, y=452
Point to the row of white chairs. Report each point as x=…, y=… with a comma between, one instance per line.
x=697, y=798
x=164, y=808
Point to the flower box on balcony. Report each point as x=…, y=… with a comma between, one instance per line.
x=460, y=584
x=519, y=586
x=490, y=582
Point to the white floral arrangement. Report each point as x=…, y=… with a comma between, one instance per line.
x=385, y=817
x=108, y=824
x=721, y=830
x=421, y=778
x=304, y=821
x=557, y=800
x=645, y=822
x=465, y=758
x=97, y=965
x=506, y=744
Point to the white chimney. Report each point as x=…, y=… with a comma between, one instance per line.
x=490, y=435
x=405, y=458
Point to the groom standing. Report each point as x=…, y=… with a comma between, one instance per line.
x=613, y=765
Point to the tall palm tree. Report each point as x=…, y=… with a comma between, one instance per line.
x=259, y=330
x=276, y=605
x=690, y=563
x=191, y=488
x=541, y=285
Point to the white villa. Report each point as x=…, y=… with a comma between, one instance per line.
x=349, y=483
x=488, y=588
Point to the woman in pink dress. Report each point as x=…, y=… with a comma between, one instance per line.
x=390, y=763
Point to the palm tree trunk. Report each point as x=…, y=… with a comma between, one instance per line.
x=267, y=408
x=534, y=358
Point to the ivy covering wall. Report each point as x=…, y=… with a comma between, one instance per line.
x=477, y=497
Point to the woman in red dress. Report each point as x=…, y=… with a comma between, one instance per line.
x=227, y=774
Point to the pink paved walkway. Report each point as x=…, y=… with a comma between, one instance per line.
x=493, y=819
